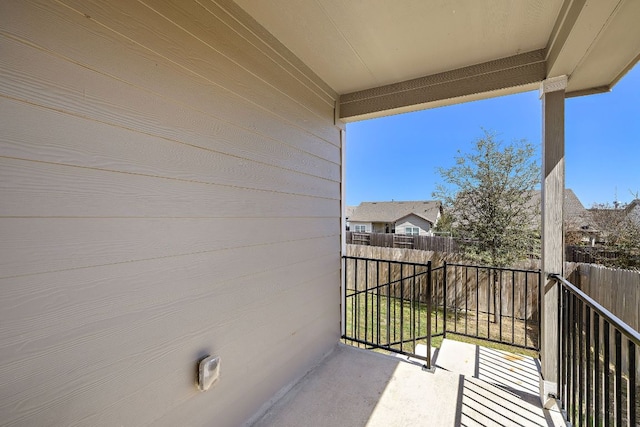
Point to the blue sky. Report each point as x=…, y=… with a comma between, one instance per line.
x=395, y=157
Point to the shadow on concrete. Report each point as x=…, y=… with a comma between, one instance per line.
x=356, y=387
x=503, y=392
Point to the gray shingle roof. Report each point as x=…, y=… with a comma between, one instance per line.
x=575, y=214
x=630, y=211
x=392, y=211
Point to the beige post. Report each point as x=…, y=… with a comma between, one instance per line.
x=552, y=96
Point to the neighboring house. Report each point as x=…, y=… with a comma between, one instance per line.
x=578, y=221
x=611, y=219
x=410, y=217
x=632, y=211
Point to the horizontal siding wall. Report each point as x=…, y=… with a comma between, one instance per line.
x=413, y=221
x=170, y=188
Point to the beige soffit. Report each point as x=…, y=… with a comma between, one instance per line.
x=386, y=57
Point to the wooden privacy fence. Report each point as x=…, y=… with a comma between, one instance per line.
x=401, y=277
x=389, y=240
x=602, y=255
x=469, y=287
x=496, y=304
x=510, y=292
x=616, y=290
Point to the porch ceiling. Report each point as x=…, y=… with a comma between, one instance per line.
x=384, y=56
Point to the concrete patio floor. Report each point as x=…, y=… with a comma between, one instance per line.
x=471, y=386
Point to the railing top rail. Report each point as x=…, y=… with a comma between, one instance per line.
x=417, y=264
x=392, y=282
x=519, y=270
x=627, y=330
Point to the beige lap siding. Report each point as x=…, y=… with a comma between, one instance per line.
x=170, y=188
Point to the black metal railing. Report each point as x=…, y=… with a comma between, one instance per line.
x=395, y=305
x=495, y=304
x=387, y=305
x=597, y=367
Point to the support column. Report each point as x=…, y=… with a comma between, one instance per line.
x=552, y=96
x=343, y=222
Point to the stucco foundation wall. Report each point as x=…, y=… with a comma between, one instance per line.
x=169, y=188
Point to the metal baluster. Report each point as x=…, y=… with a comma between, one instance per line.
x=444, y=293
x=597, y=382
x=429, y=309
x=389, y=306
x=401, y=305
x=513, y=307
x=366, y=300
x=413, y=308
x=632, y=398
x=580, y=365
x=618, y=376
x=526, y=297
x=607, y=373
x=466, y=304
x=477, y=301
x=588, y=367
x=571, y=407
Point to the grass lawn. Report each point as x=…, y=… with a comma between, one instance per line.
x=403, y=320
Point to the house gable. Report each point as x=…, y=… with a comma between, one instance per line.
x=408, y=223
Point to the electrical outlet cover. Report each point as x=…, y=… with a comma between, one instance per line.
x=209, y=372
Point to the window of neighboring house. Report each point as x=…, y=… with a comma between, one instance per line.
x=360, y=228
x=412, y=231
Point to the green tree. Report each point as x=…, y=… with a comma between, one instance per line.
x=620, y=232
x=444, y=226
x=489, y=195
